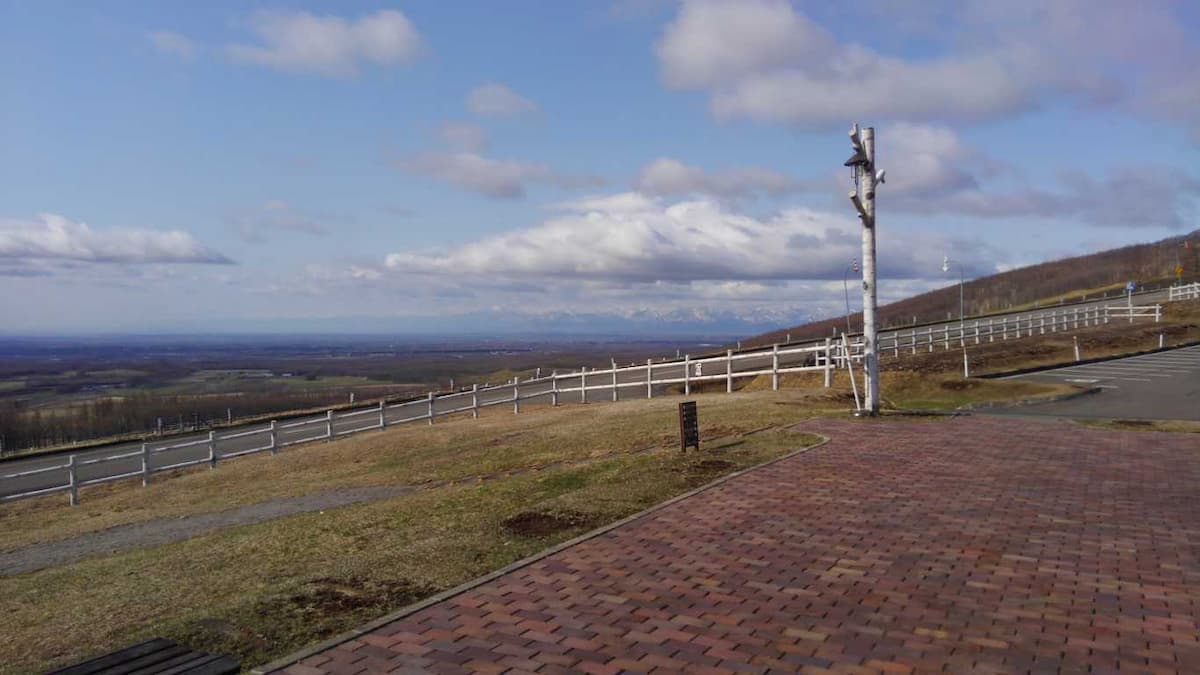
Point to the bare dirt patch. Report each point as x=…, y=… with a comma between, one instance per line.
x=540, y=524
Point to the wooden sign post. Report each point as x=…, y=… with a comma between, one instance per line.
x=689, y=429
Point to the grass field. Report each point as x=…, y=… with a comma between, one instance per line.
x=496, y=489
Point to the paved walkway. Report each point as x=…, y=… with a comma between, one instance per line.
x=972, y=545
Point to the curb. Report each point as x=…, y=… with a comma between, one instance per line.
x=1083, y=362
x=284, y=662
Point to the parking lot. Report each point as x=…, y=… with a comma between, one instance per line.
x=1163, y=385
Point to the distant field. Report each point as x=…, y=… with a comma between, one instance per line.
x=58, y=393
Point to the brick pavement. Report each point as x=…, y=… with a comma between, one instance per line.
x=980, y=545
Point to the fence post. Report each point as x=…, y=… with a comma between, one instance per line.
x=328, y=424
x=991, y=332
x=516, y=394
x=1106, y=314
x=145, y=464
x=274, y=439
x=431, y=408
x=775, y=367
x=728, y=371
x=1157, y=313
x=583, y=384
x=614, y=379
x=928, y=335
x=829, y=362
x=72, y=481
x=966, y=366
x=976, y=331
x=475, y=401
x=212, y=449
x=554, y=388
x=913, y=339
x=687, y=374
x=649, y=378
x=1161, y=340
x=1075, y=339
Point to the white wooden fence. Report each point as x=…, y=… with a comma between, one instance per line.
x=821, y=356
x=1184, y=292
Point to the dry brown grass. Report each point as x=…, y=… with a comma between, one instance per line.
x=260, y=591
x=1174, y=426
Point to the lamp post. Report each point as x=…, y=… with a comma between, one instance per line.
x=946, y=263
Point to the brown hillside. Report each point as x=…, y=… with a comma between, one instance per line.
x=1150, y=265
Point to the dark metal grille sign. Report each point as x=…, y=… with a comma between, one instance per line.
x=689, y=429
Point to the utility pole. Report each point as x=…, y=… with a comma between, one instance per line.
x=862, y=162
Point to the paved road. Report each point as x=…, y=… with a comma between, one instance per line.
x=631, y=383
x=1164, y=385
x=971, y=545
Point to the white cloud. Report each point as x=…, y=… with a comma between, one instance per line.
x=329, y=45
x=496, y=99
x=464, y=136
x=761, y=59
x=926, y=160
x=645, y=241
x=499, y=179
x=53, y=237
x=172, y=43
x=670, y=177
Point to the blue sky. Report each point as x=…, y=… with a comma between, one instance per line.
x=174, y=166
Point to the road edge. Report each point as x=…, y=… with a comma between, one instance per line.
x=1097, y=359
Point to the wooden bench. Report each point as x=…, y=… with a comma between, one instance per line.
x=158, y=657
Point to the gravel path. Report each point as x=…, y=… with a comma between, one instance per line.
x=167, y=530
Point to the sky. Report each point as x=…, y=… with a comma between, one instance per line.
x=424, y=166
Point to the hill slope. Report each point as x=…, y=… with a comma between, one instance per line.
x=1149, y=264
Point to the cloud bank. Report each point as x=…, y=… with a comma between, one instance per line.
x=53, y=237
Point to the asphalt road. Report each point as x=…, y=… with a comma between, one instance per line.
x=1163, y=385
x=232, y=441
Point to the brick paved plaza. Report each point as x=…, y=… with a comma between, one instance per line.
x=979, y=545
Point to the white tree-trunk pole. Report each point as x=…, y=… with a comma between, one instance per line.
x=870, y=332
x=828, y=363
x=728, y=371
x=775, y=367
x=72, y=481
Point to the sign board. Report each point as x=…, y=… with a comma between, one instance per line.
x=689, y=427
x=1178, y=270
x=1129, y=287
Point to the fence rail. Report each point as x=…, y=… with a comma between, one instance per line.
x=819, y=356
x=1184, y=292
